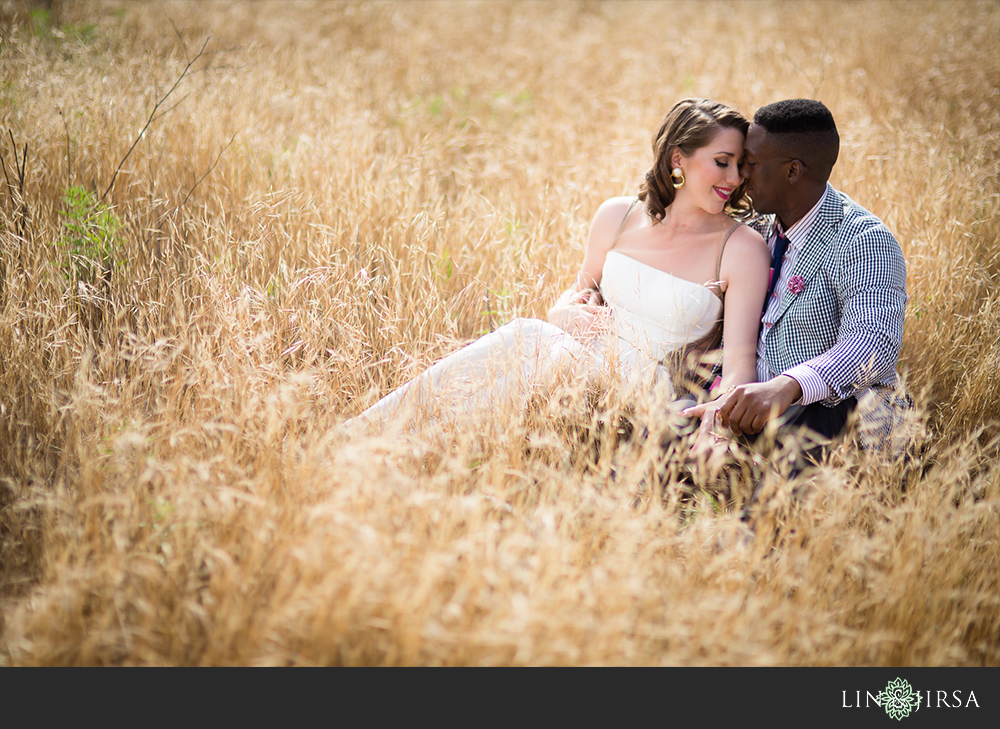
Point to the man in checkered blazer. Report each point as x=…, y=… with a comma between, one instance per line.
x=833, y=319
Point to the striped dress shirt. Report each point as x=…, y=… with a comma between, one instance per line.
x=813, y=387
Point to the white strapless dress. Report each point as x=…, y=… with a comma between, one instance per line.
x=651, y=313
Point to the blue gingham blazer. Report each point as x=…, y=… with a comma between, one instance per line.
x=847, y=324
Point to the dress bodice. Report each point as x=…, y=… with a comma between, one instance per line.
x=655, y=312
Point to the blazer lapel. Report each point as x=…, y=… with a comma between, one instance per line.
x=817, y=244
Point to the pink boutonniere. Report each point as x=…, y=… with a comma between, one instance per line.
x=796, y=285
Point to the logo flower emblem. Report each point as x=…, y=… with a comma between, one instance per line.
x=898, y=698
x=796, y=285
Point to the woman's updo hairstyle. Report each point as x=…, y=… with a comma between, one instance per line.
x=690, y=125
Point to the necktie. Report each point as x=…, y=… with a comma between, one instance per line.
x=780, y=244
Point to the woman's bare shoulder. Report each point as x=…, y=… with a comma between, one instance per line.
x=746, y=242
x=619, y=205
x=746, y=257
x=608, y=219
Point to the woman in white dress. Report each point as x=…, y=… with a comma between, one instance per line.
x=652, y=286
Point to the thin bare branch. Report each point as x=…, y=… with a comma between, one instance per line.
x=69, y=159
x=167, y=111
x=17, y=165
x=20, y=168
x=17, y=168
x=4, y=164
x=180, y=38
x=152, y=114
x=207, y=172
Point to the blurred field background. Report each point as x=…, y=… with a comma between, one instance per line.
x=338, y=193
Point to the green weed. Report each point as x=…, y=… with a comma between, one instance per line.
x=91, y=244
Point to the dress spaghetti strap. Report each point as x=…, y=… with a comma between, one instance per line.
x=621, y=227
x=614, y=241
x=718, y=261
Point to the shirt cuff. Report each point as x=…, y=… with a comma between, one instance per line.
x=814, y=387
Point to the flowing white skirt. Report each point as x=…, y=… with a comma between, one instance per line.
x=508, y=364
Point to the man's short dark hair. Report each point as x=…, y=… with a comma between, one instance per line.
x=802, y=129
x=795, y=116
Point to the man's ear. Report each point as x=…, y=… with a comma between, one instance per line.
x=795, y=170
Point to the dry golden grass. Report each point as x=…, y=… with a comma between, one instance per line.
x=401, y=178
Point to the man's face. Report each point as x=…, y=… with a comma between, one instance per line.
x=764, y=171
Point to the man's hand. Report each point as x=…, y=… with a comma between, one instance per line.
x=747, y=408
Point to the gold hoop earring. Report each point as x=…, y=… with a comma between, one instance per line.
x=675, y=173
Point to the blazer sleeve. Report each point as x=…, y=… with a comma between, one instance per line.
x=871, y=292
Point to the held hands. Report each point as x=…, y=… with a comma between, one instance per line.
x=712, y=442
x=745, y=409
x=579, y=312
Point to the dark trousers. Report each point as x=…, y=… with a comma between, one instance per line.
x=814, y=425
x=827, y=422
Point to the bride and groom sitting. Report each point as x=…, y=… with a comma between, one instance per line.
x=807, y=298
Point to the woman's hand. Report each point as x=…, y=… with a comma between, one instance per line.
x=712, y=441
x=579, y=312
x=589, y=297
